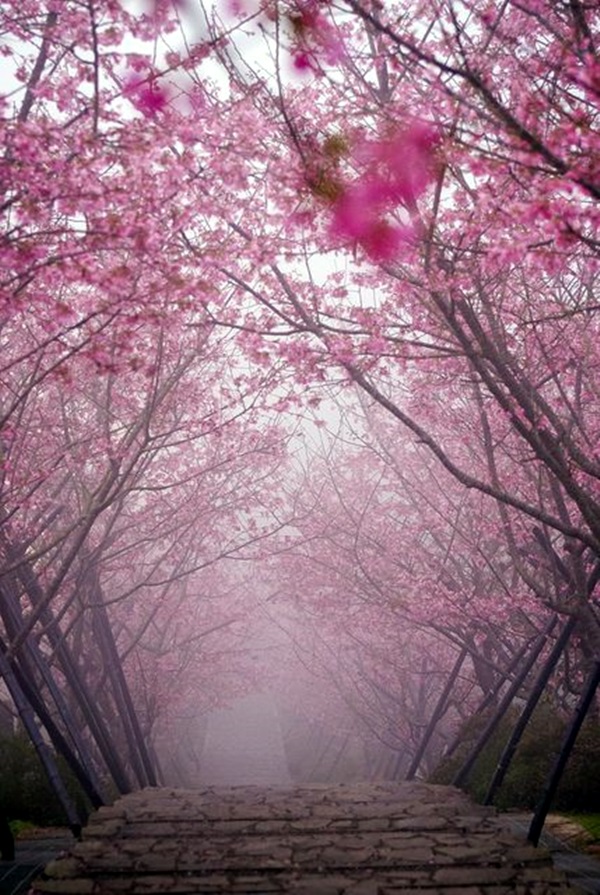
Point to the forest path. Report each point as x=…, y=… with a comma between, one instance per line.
x=357, y=839
x=244, y=745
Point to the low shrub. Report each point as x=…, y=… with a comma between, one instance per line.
x=579, y=789
x=25, y=791
x=18, y=827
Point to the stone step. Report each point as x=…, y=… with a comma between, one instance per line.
x=359, y=839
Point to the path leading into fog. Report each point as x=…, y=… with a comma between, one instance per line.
x=358, y=839
x=244, y=744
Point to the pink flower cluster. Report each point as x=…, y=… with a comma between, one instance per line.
x=146, y=94
x=395, y=172
x=316, y=41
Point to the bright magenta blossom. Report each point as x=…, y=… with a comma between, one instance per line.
x=146, y=95
x=396, y=170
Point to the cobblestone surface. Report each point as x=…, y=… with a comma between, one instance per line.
x=359, y=839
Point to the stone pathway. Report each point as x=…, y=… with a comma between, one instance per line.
x=563, y=839
x=359, y=839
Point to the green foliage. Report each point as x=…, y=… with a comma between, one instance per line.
x=485, y=765
x=589, y=822
x=25, y=792
x=579, y=788
x=17, y=827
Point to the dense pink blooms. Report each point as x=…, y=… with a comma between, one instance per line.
x=146, y=94
x=302, y=61
x=176, y=280
x=393, y=173
x=315, y=41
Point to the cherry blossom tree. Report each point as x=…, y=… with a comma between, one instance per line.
x=120, y=493
x=396, y=572
x=117, y=488
x=399, y=199
x=469, y=311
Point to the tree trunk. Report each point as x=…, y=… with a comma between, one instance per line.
x=72, y=674
x=489, y=698
x=534, y=697
x=437, y=714
x=140, y=757
x=45, y=755
x=30, y=661
x=462, y=774
x=97, y=799
x=545, y=802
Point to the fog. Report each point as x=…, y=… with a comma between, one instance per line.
x=244, y=744
x=291, y=707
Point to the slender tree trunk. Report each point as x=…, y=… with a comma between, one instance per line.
x=95, y=724
x=109, y=662
x=436, y=715
x=97, y=799
x=140, y=757
x=489, y=698
x=545, y=802
x=45, y=755
x=85, y=702
x=30, y=662
x=534, y=698
x=321, y=755
x=338, y=757
x=462, y=774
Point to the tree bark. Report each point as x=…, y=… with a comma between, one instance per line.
x=534, y=697
x=545, y=802
x=436, y=715
x=45, y=755
x=460, y=778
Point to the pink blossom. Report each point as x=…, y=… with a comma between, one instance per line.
x=404, y=161
x=380, y=239
x=146, y=95
x=302, y=61
x=396, y=170
x=240, y=8
x=315, y=38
